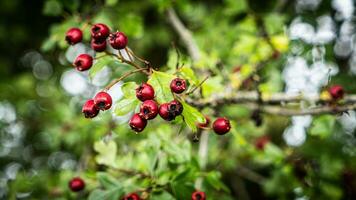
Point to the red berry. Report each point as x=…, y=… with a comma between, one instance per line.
x=103, y=101
x=145, y=92
x=100, y=31
x=74, y=36
x=89, y=109
x=149, y=109
x=98, y=45
x=178, y=85
x=261, y=142
x=137, y=123
x=76, y=184
x=176, y=107
x=83, y=62
x=206, y=124
x=221, y=126
x=118, y=40
x=336, y=92
x=165, y=113
x=132, y=196
x=198, y=195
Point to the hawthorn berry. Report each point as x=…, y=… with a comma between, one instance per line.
x=204, y=125
x=118, y=40
x=76, y=184
x=132, y=196
x=261, y=142
x=89, y=109
x=98, y=45
x=149, y=109
x=74, y=36
x=178, y=85
x=336, y=92
x=83, y=62
x=221, y=126
x=198, y=195
x=137, y=123
x=103, y=101
x=145, y=92
x=176, y=107
x=100, y=31
x=165, y=113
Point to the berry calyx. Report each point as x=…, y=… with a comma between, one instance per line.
x=204, y=125
x=83, y=62
x=98, y=45
x=89, y=109
x=74, y=36
x=118, y=40
x=178, y=85
x=76, y=184
x=336, y=92
x=198, y=195
x=100, y=31
x=137, y=123
x=165, y=112
x=132, y=196
x=261, y=142
x=145, y=92
x=149, y=109
x=103, y=101
x=221, y=126
x=176, y=107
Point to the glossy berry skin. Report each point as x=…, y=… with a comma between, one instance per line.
x=83, y=62
x=118, y=40
x=98, y=45
x=103, y=101
x=132, y=196
x=198, y=195
x=204, y=125
x=149, y=109
x=137, y=123
x=100, y=31
x=261, y=142
x=176, y=107
x=145, y=92
x=76, y=184
x=89, y=109
x=221, y=126
x=178, y=85
x=336, y=92
x=165, y=112
x=74, y=36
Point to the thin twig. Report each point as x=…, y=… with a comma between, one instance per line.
x=123, y=77
x=198, y=86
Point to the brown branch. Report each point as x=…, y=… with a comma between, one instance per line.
x=112, y=83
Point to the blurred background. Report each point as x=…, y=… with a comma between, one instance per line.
x=44, y=139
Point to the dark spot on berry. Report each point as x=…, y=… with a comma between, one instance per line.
x=96, y=29
x=101, y=104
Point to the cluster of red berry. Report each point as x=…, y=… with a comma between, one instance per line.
x=100, y=33
x=77, y=184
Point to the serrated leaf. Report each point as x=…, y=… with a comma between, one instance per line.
x=189, y=74
x=107, y=181
x=129, y=89
x=106, y=152
x=124, y=106
x=112, y=194
x=160, y=81
x=192, y=116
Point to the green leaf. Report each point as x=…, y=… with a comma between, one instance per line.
x=100, y=64
x=129, y=89
x=112, y=194
x=111, y=2
x=211, y=85
x=106, y=152
x=323, y=126
x=182, y=190
x=160, y=81
x=107, y=181
x=213, y=179
x=192, y=116
x=162, y=196
x=124, y=106
x=188, y=73
x=52, y=8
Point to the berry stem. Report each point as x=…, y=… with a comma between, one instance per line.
x=198, y=86
x=122, y=59
x=123, y=77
